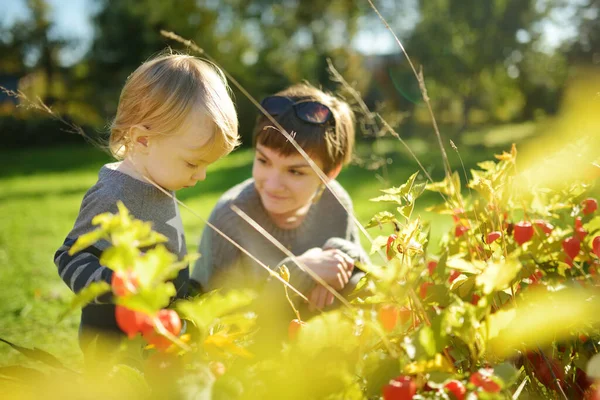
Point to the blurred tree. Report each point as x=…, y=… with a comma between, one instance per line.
x=473, y=48
x=585, y=48
x=264, y=44
x=27, y=47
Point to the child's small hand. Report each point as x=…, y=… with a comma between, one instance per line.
x=319, y=298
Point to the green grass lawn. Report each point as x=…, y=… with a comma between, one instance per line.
x=40, y=195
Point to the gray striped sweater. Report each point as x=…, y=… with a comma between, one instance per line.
x=144, y=202
x=327, y=224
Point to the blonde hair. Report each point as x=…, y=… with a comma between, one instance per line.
x=331, y=143
x=160, y=94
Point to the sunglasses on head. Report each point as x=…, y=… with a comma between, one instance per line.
x=312, y=112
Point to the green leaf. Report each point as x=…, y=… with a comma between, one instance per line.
x=86, y=240
x=120, y=257
x=463, y=285
x=498, y=321
x=390, y=198
x=426, y=339
x=507, y=372
x=417, y=190
x=544, y=317
x=103, y=219
x=593, y=226
x=437, y=363
x=378, y=243
x=128, y=382
x=381, y=218
x=149, y=299
x=484, y=187
x=330, y=330
x=85, y=296
x=157, y=265
x=499, y=275
x=460, y=318
x=406, y=210
x=206, y=310
x=449, y=186
x=37, y=355
x=243, y=321
x=405, y=188
x=460, y=264
x=23, y=374
x=487, y=165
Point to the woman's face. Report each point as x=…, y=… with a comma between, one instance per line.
x=285, y=184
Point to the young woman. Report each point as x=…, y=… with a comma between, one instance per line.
x=287, y=198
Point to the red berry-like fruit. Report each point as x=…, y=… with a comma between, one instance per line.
x=589, y=206
x=388, y=316
x=546, y=227
x=400, y=388
x=547, y=370
x=581, y=233
x=523, y=232
x=453, y=275
x=456, y=388
x=294, y=327
x=592, y=393
x=483, y=379
x=596, y=246
x=423, y=289
x=460, y=230
x=431, y=267
x=492, y=237
x=124, y=282
x=536, y=277
x=405, y=314
x=171, y=322
x=132, y=322
x=388, y=247
x=571, y=246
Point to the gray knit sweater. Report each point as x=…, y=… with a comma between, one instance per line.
x=222, y=264
x=144, y=202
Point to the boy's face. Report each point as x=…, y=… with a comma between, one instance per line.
x=285, y=184
x=179, y=159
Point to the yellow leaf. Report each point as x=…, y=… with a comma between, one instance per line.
x=498, y=275
x=498, y=321
x=438, y=363
x=512, y=156
x=544, y=317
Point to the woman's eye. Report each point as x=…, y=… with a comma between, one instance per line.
x=296, y=172
x=261, y=160
x=190, y=165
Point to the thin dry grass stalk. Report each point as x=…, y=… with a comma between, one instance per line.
x=39, y=105
x=422, y=87
x=337, y=77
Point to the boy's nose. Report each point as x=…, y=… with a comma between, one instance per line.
x=200, y=174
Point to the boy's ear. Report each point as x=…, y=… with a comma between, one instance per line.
x=334, y=172
x=140, y=139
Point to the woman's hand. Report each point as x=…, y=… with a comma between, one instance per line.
x=332, y=265
x=319, y=298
